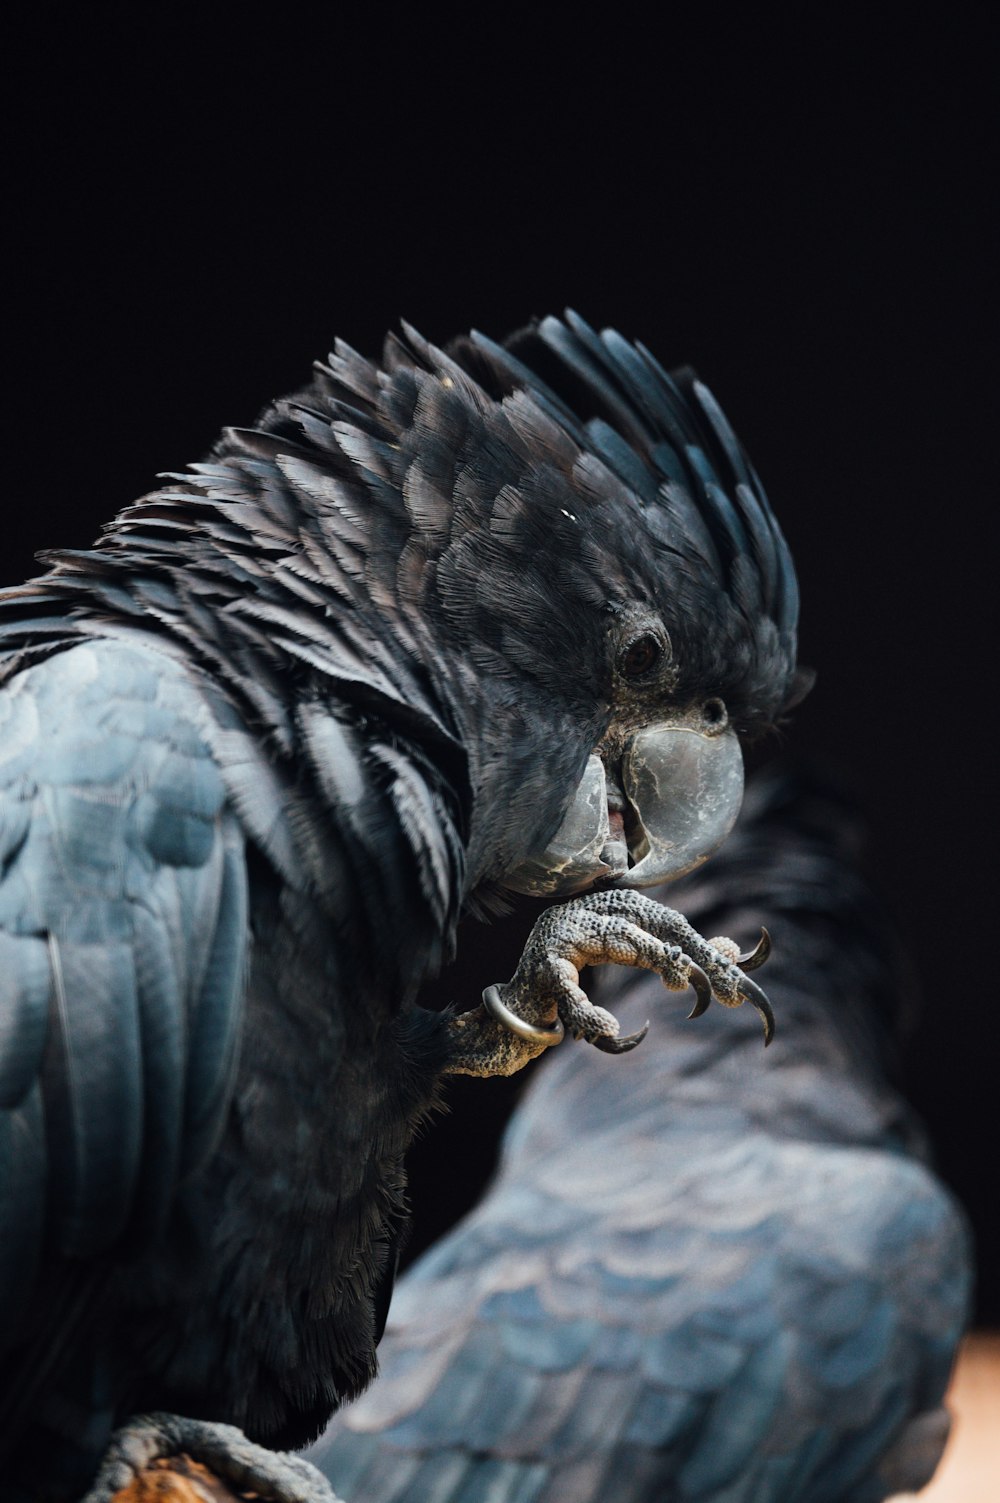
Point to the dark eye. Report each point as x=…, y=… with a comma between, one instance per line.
x=640, y=656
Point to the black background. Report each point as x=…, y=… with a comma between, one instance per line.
x=194, y=210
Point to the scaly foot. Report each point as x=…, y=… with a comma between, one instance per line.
x=529, y=1013
x=152, y=1457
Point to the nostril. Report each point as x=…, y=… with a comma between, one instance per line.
x=714, y=715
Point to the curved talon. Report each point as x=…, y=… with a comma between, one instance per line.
x=621, y=1046
x=534, y=1035
x=754, y=994
x=703, y=990
x=757, y=956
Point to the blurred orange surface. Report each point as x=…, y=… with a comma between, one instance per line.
x=970, y=1468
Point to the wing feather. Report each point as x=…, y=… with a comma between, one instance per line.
x=123, y=932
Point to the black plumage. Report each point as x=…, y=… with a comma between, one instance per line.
x=260, y=746
x=714, y=1277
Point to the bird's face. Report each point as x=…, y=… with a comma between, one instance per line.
x=622, y=563
x=662, y=786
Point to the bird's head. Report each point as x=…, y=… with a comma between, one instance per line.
x=612, y=593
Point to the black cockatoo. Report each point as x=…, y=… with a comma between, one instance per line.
x=432, y=628
x=709, y=1278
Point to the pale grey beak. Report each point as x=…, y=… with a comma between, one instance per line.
x=582, y=850
x=686, y=789
x=682, y=791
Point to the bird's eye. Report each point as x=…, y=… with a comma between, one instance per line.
x=640, y=656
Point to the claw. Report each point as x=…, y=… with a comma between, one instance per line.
x=753, y=994
x=534, y=1035
x=621, y=1046
x=703, y=989
x=757, y=956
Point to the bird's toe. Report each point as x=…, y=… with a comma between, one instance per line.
x=186, y=1461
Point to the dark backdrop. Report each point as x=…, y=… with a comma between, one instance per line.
x=193, y=214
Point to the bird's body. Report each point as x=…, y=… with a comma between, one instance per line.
x=242, y=1288
x=259, y=747
x=712, y=1278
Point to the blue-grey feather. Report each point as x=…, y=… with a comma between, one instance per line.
x=214, y=1027
x=25, y=992
x=741, y=1413
x=101, y=933
x=622, y=459
x=22, y=1206
x=94, y=1054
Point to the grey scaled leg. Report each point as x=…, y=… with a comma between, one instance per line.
x=154, y=1444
